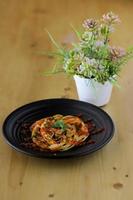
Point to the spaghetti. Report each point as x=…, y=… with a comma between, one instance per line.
x=59, y=133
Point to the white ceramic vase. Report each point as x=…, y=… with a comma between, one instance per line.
x=92, y=91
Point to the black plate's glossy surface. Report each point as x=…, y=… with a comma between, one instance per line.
x=43, y=108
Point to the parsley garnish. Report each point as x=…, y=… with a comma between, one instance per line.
x=60, y=124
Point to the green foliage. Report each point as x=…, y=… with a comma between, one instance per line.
x=60, y=124
x=92, y=56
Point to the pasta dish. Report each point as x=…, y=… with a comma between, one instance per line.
x=59, y=133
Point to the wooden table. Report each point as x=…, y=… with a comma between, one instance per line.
x=106, y=174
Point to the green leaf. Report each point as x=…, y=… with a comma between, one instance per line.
x=103, y=30
x=53, y=72
x=114, y=82
x=54, y=42
x=49, y=54
x=78, y=34
x=60, y=124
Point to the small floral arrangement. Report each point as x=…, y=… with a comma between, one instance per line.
x=92, y=56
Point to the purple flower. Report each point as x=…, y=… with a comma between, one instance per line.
x=90, y=24
x=117, y=52
x=99, y=43
x=110, y=18
x=111, y=29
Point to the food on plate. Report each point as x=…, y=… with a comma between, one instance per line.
x=59, y=133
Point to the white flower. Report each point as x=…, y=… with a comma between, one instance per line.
x=95, y=63
x=87, y=35
x=81, y=68
x=101, y=67
x=90, y=61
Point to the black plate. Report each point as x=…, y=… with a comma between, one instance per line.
x=39, y=109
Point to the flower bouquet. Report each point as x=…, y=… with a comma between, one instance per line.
x=92, y=61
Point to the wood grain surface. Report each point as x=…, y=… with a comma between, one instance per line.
x=105, y=175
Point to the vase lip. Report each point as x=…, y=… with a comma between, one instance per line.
x=89, y=79
x=75, y=75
